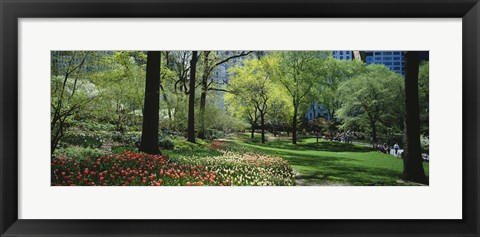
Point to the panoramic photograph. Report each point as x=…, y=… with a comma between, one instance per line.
x=239, y=118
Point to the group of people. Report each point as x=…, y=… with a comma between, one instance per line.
x=347, y=136
x=387, y=149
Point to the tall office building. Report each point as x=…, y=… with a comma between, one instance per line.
x=64, y=59
x=394, y=60
x=391, y=59
x=342, y=55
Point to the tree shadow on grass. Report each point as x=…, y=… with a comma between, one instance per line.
x=319, y=168
x=344, y=170
x=327, y=170
x=332, y=146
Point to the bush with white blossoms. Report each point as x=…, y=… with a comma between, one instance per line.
x=247, y=169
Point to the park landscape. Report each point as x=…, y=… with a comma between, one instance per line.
x=239, y=118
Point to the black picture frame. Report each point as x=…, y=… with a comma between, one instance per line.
x=11, y=11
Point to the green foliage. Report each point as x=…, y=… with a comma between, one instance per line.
x=83, y=140
x=121, y=149
x=183, y=144
x=218, y=120
x=76, y=152
x=95, y=126
x=318, y=126
x=166, y=143
x=372, y=101
x=335, y=72
x=174, y=90
x=299, y=71
x=126, y=138
x=121, y=88
x=423, y=97
x=255, y=95
x=425, y=144
x=72, y=90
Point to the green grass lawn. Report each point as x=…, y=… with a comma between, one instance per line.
x=322, y=163
x=332, y=163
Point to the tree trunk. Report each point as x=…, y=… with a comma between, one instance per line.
x=412, y=159
x=191, y=99
x=149, y=143
x=262, y=123
x=170, y=118
x=203, y=102
x=253, y=130
x=332, y=114
x=203, y=96
x=373, y=125
x=294, y=125
x=58, y=134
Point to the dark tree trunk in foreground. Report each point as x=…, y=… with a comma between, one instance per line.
x=294, y=125
x=191, y=98
x=262, y=123
x=253, y=132
x=412, y=159
x=149, y=143
x=203, y=103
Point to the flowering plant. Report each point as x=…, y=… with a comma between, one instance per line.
x=140, y=169
x=129, y=168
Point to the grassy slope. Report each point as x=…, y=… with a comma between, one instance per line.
x=333, y=163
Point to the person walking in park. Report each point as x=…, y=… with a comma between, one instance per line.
x=396, y=147
x=387, y=148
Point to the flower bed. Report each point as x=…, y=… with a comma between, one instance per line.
x=247, y=169
x=129, y=169
x=139, y=169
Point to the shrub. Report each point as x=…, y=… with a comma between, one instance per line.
x=424, y=144
x=95, y=126
x=214, y=134
x=166, y=143
x=83, y=140
x=126, y=138
x=76, y=152
x=183, y=144
x=121, y=149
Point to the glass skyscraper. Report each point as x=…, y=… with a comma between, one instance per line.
x=392, y=59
